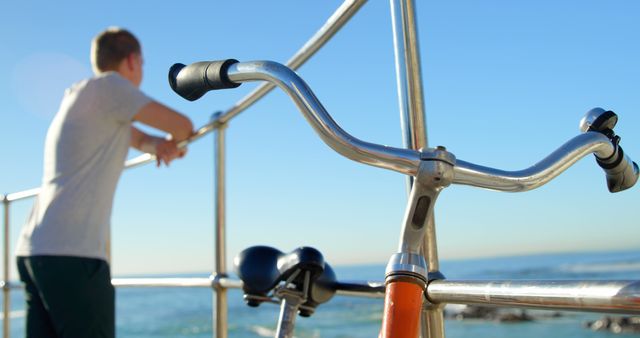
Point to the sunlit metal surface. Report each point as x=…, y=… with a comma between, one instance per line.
x=411, y=102
x=220, y=315
x=605, y=120
x=367, y=289
x=163, y=282
x=191, y=282
x=333, y=25
x=408, y=73
x=598, y=296
x=538, y=174
x=6, y=273
x=16, y=196
x=405, y=161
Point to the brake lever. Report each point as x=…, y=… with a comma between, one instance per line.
x=621, y=172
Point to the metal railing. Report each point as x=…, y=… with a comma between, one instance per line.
x=218, y=280
x=599, y=296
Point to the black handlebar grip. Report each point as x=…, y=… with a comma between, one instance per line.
x=196, y=79
x=622, y=173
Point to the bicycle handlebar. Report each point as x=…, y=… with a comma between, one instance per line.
x=193, y=81
x=622, y=173
x=538, y=174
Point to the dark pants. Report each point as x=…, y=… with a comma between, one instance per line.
x=70, y=297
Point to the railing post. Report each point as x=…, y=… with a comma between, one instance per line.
x=6, y=289
x=408, y=74
x=220, y=296
x=412, y=116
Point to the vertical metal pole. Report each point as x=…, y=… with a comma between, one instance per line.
x=220, y=312
x=5, y=287
x=412, y=116
x=408, y=73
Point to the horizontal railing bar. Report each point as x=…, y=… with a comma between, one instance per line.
x=11, y=285
x=206, y=282
x=188, y=282
x=139, y=161
x=620, y=296
x=146, y=158
x=21, y=195
x=341, y=16
x=355, y=289
x=361, y=289
x=162, y=282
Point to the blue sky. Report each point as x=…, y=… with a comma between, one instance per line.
x=505, y=83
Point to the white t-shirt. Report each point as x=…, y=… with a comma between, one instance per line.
x=84, y=155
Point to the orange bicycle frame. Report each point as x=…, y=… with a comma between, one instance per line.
x=402, y=308
x=406, y=272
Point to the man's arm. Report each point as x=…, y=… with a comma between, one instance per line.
x=161, y=117
x=143, y=142
x=165, y=150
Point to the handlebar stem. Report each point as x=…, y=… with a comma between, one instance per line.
x=435, y=173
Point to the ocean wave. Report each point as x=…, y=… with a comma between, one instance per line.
x=263, y=331
x=601, y=267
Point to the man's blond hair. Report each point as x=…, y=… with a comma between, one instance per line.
x=112, y=46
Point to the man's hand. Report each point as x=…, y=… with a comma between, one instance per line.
x=167, y=151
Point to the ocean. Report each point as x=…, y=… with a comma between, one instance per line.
x=173, y=312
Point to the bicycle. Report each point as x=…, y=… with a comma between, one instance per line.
x=301, y=280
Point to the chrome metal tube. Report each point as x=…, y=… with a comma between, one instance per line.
x=186, y=282
x=405, y=161
x=220, y=295
x=433, y=176
x=192, y=282
x=163, y=282
x=432, y=322
x=288, y=312
x=613, y=296
x=16, y=196
x=367, y=289
x=335, y=22
x=11, y=285
x=597, y=296
x=6, y=300
x=408, y=73
x=226, y=282
x=538, y=174
x=147, y=158
x=411, y=100
x=220, y=202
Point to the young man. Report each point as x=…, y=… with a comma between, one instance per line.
x=61, y=253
